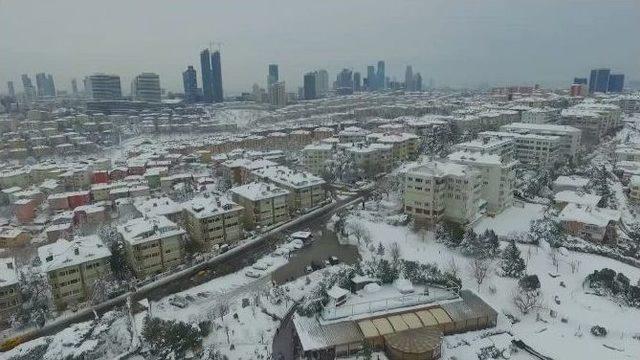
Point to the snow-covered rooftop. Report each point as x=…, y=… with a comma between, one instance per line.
x=63, y=253
x=256, y=191
x=207, y=206
x=8, y=272
x=288, y=178
x=145, y=229
x=573, y=197
x=589, y=215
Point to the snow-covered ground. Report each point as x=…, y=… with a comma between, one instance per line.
x=514, y=220
x=550, y=336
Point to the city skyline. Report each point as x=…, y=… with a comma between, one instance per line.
x=249, y=42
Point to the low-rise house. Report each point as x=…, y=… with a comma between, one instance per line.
x=12, y=237
x=566, y=197
x=10, y=298
x=73, y=268
x=212, y=220
x=153, y=244
x=590, y=223
x=573, y=183
x=264, y=204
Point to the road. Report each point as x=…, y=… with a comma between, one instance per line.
x=220, y=265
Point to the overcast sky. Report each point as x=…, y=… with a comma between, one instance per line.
x=455, y=42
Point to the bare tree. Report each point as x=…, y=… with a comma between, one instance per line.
x=527, y=300
x=359, y=231
x=395, y=254
x=480, y=270
x=222, y=308
x=453, y=268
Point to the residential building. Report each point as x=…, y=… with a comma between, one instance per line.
x=73, y=267
x=146, y=87
x=10, y=298
x=264, y=204
x=305, y=190
x=29, y=89
x=436, y=191
x=277, y=95
x=570, y=137
x=634, y=189
x=322, y=83
x=212, y=221
x=369, y=159
x=498, y=177
x=531, y=149
x=353, y=134
x=154, y=244
x=310, y=80
x=103, y=87
x=404, y=146
x=590, y=223
x=13, y=237
x=190, y=84
x=317, y=156
x=571, y=183
x=540, y=115
x=162, y=206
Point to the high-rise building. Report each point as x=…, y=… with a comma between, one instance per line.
x=216, y=70
x=207, y=75
x=322, y=82
x=344, y=82
x=616, y=83
x=190, y=83
x=11, y=89
x=103, y=87
x=272, y=78
x=417, y=82
x=381, y=79
x=599, y=80
x=146, y=87
x=309, y=91
x=371, y=77
x=408, y=79
x=357, y=83
x=51, y=87
x=74, y=86
x=278, y=95
x=29, y=89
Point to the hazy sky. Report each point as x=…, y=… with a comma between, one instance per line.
x=455, y=42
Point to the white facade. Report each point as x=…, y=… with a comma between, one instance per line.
x=146, y=87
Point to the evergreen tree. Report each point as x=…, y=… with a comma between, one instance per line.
x=491, y=244
x=471, y=243
x=600, y=184
x=512, y=263
x=546, y=229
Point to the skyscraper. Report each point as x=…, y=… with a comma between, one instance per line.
x=29, y=89
x=216, y=70
x=190, y=83
x=616, y=83
x=357, y=83
x=309, y=91
x=371, y=77
x=146, y=87
x=417, y=82
x=51, y=87
x=381, y=79
x=344, y=82
x=322, y=82
x=408, y=79
x=103, y=87
x=74, y=86
x=11, y=89
x=599, y=80
x=277, y=95
x=207, y=75
x=273, y=75
x=41, y=83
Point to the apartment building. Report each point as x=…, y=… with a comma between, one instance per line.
x=404, y=146
x=73, y=267
x=264, y=204
x=316, y=156
x=540, y=115
x=154, y=244
x=10, y=298
x=239, y=170
x=531, y=149
x=162, y=206
x=305, y=190
x=592, y=124
x=370, y=159
x=498, y=177
x=634, y=189
x=436, y=191
x=504, y=147
x=212, y=221
x=353, y=134
x=570, y=137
